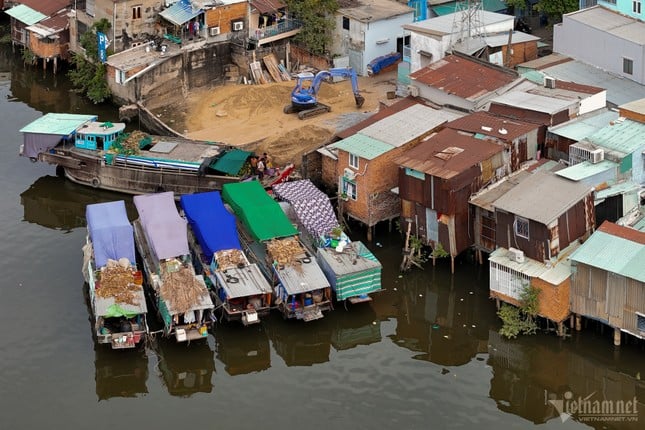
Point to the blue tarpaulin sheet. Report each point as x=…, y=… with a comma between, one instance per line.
x=110, y=232
x=214, y=226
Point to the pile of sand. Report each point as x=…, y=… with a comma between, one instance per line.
x=252, y=115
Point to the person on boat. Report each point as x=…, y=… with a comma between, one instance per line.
x=261, y=167
x=254, y=165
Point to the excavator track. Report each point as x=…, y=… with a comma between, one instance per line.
x=309, y=113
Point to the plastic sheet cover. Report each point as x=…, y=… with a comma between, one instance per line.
x=166, y=230
x=110, y=231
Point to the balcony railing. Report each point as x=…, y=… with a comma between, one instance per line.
x=286, y=26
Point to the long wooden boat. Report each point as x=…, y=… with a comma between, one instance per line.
x=300, y=287
x=238, y=287
x=179, y=294
x=102, y=155
x=116, y=295
x=351, y=268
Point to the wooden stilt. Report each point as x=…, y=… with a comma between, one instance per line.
x=617, y=337
x=578, y=323
x=369, y=233
x=55, y=64
x=452, y=264
x=498, y=304
x=44, y=64
x=560, y=329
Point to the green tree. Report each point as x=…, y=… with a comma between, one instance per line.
x=556, y=8
x=88, y=74
x=516, y=320
x=317, y=17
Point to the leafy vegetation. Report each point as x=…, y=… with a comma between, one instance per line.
x=28, y=57
x=552, y=8
x=317, y=18
x=439, y=251
x=520, y=320
x=88, y=74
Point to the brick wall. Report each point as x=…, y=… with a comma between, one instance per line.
x=302, y=56
x=223, y=17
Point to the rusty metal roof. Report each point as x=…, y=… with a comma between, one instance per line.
x=485, y=197
x=464, y=77
x=267, y=6
x=375, y=10
x=51, y=26
x=542, y=197
x=47, y=7
x=447, y=154
x=493, y=125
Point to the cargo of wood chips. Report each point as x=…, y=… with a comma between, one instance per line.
x=180, y=289
x=118, y=282
x=285, y=251
x=229, y=258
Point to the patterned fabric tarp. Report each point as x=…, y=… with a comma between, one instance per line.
x=311, y=205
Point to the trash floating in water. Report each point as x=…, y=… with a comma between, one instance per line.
x=394, y=288
x=473, y=326
x=447, y=336
x=373, y=322
x=435, y=326
x=444, y=371
x=461, y=300
x=471, y=292
x=400, y=276
x=420, y=295
x=379, y=244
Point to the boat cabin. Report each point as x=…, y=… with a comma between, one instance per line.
x=98, y=136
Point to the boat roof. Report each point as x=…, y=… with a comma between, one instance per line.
x=108, y=307
x=101, y=128
x=302, y=278
x=261, y=215
x=111, y=233
x=214, y=227
x=354, y=258
x=250, y=281
x=166, y=230
x=231, y=162
x=61, y=124
x=312, y=206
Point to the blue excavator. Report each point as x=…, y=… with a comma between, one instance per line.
x=304, y=96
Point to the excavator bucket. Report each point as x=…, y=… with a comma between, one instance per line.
x=359, y=100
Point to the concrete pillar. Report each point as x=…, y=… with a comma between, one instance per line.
x=560, y=329
x=452, y=264
x=617, y=337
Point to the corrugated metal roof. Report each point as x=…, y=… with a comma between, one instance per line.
x=47, y=7
x=50, y=26
x=624, y=136
x=619, y=90
x=267, y=6
x=481, y=122
x=446, y=7
x=544, y=62
x=180, y=12
x=611, y=248
x=62, y=124
x=383, y=112
x=534, y=102
x=530, y=267
x=501, y=39
x=448, y=153
x=250, y=282
x=302, y=278
x=586, y=125
x=25, y=14
x=375, y=10
x=586, y=169
x=611, y=22
x=485, y=197
x=445, y=24
x=615, y=189
x=404, y=126
x=542, y=197
x=464, y=77
x=363, y=146
x=350, y=260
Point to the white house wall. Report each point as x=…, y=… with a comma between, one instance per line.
x=507, y=281
x=595, y=102
x=598, y=48
x=435, y=46
x=387, y=31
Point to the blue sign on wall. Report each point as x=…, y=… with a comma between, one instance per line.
x=102, y=46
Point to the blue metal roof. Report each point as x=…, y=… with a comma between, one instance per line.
x=624, y=136
x=613, y=254
x=62, y=124
x=581, y=127
x=363, y=146
x=586, y=169
x=180, y=12
x=25, y=14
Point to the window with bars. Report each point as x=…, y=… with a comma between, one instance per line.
x=521, y=227
x=636, y=6
x=353, y=160
x=136, y=12
x=628, y=66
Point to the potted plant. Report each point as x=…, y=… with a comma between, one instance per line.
x=344, y=197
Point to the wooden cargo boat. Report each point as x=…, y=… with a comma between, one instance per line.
x=102, y=155
x=116, y=295
x=238, y=287
x=180, y=295
x=300, y=287
x=351, y=268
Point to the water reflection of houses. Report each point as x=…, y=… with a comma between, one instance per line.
x=358, y=326
x=299, y=345
x=120, y=373
x=441, y=324
x=56, y=203
x=186, y=369
x=529, y=372
x=243, y=349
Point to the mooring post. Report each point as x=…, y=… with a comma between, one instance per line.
x=617, y=336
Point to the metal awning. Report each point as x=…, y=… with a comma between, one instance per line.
x=25, y=14
x=180, y=12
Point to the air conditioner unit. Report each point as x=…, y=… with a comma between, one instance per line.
x=238, y=26
x=549, y=82
x=413, y=91
x=213, y=31
x=516, y=255
x=349, y=173
x=597, y=155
